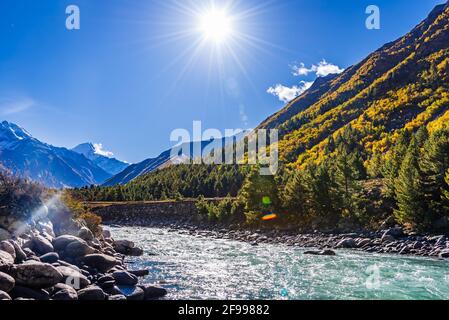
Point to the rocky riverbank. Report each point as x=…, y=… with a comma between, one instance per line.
x=389, y=241
x=40, y=265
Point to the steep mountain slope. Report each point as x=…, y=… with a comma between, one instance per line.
x=55, y=167
x=404, y=84
x=110, y=165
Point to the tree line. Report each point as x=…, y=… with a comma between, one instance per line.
x=411, y=176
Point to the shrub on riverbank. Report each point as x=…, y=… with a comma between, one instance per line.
x=18, y=197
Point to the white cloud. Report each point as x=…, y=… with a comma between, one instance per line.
x=301, y=70
x=323, y=69
x=287, y=94
x=99, y=150
x=10, y=106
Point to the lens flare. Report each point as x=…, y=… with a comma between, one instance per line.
x=266, y=201
x=269, y=217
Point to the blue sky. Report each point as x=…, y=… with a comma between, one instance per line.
x=135, y=71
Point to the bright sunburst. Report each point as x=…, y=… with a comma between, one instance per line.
x=216, y=25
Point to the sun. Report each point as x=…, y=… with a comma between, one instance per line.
x=216, y=25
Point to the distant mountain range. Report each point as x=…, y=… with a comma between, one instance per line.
x=25, y=156
x=110, y=165
x=164, y=160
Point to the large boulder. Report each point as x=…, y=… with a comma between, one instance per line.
x=133, y=293
x=347, y=243
x=41, y=245
x=77, y=248
x=28, y=293
x=100, y=262
x=8, y=247
x=51, y=257
x=20, y=254
x=152, y=292
x=386, y=238
x=444, y=254
x=396, y=232
x=124, y=278
x=91, y=293
x=6, y=282
x=326, y=252
x=61, y=242
x=63, y=292
x=4, y=296
x=73, y=277
x=127, y=247
x=5, y=258
x=36, y=275
x=86, y=234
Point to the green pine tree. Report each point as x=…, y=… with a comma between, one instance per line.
x=294, y=197
x=409, y=191
x=434, y=164
x=259, y=195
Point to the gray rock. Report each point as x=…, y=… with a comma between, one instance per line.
x=86, y=234
x=36, y=275
x=321, y=253
x=107, y=234
x=114, y=290
x=347, y=243
x=440, y=241
x=100, y=262
x=8, y=247
x=124, y=278
x=152, y=292
x=41, y=245
x=61, y=242
x=78, y=249
x=396, y=232
x=123, y=246
x=5, y=258
x=91, y=293
x=106, y=278
x=364, y=242
x=4, y=296
x=67, y=294
x=444, y=254
x=418, y=245
x=20, y=254
x=4, y=234
x=51, y=257
x=135, y=252
x=73, y=277
x=133, y=293
x=28, y=293
x=140, y=273
x=6, y=282
x=386, y=238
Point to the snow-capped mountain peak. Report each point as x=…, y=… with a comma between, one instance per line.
x=11, y=133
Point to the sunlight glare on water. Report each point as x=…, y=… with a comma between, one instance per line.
x=204, y=268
